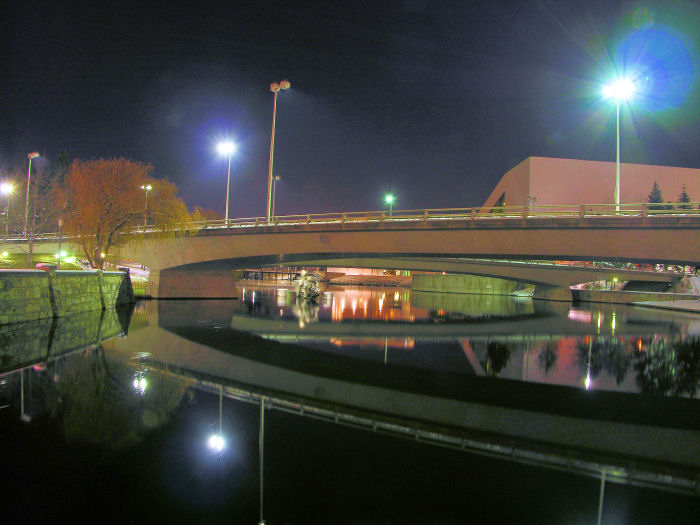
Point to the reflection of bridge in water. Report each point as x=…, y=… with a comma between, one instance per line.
x=655, y=443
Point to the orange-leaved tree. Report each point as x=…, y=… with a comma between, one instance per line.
x=104, y=202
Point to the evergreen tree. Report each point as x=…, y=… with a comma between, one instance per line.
x=655, y=197
x=684, y=198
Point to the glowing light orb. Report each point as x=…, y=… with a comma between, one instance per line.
x=225, y=148
x=621, y=89
x=216, y=443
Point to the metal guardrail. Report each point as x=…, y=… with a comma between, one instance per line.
x=642, y=210
x=534, y=212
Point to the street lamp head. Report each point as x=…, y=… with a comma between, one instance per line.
x=278, y=178
x=275, y=87
x=6, y=188
x=389, y=198
x=226, y=148
x=621, y=89
x=146, y=187
x=33, y=155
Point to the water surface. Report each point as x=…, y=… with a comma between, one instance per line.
x=117, y=429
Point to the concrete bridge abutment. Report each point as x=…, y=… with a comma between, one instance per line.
x=553, y=293
x=202, y=283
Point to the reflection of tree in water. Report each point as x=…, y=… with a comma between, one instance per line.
x=97, y=403
x=670, y=369
x=497, y=357
x=603, y=354
x=548, y=357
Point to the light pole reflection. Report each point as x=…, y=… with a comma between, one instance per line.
x=261, y=444
x=216, y=441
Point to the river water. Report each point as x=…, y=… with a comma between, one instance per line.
x=346, y=410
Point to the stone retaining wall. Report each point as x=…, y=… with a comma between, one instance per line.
x=27, y=295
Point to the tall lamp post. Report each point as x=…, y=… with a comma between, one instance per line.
x=146, y=188
x=6, y=189
x=30, y=156
x=226, y=148
x=275, y=88
x=620, y=90
x=389, y=199
x=274, y=191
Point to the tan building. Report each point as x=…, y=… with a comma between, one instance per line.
x=570, y=181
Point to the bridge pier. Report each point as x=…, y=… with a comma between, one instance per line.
x=193, y=284
x=553, y=293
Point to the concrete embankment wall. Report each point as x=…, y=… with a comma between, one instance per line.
x=27, y=295
x=624, y=297
x=465, y=284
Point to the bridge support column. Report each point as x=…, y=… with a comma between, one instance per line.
x=192, y=284
x=553, y=293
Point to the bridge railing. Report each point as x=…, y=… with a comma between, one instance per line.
x=529, y=212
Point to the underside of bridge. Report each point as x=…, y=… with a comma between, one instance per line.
x=216, y=279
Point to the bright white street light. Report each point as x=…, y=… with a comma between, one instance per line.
x=227, y=148
x=390, y=199
x=621, y=90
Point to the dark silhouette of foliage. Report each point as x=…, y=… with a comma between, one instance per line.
x=670, y=369
x=497, y=357
x=609, y=355
x=548, y=357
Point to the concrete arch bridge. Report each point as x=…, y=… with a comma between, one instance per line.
x=200, y=263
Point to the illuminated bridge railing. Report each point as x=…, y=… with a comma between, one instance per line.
x=580, y=211
x=449, y=214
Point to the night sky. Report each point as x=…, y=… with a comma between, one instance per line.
x=433, y=100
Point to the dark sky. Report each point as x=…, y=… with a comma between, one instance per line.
x=433, y=100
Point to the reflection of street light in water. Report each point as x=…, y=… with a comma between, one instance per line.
x=261, y=444
x=587, y=381
x=216, y=441
x=140, y=382
x=26, y=418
